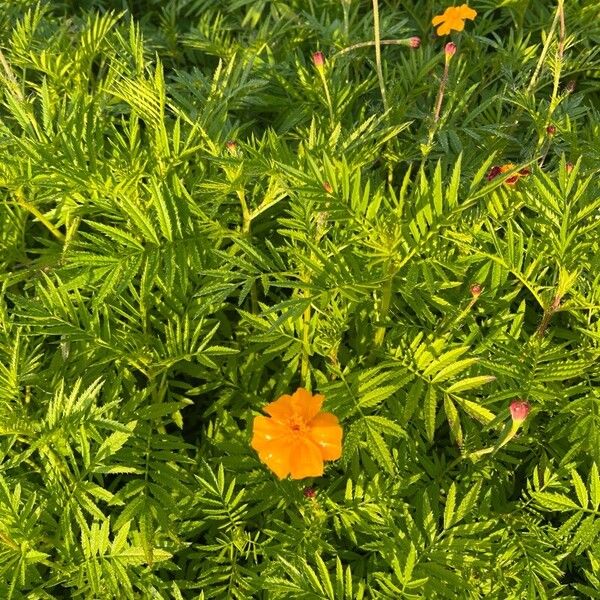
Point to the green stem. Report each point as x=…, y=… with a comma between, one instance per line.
x=545, y=49
x=384, y=307
x=378, y=52
x=327, y=94
x=39, y=216
x=246, y=225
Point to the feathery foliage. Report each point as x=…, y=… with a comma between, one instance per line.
x=192, y=225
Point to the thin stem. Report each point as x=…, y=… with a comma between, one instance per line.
x=305, y=368
x=378, y=52
x=400, y=42
x=246, y=225
x=327, y=95
x=384, y=306
x=545, y=49
x=441, y=91
x=39, y=216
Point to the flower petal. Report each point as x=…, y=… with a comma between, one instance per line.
x=444, y=29
x=466, y=12
x=301, y=405
x=457, y=24
x=307, y=405
x=305, y=459
x=437, y=20
x=327, y=433
x=265, y=430
x=276, y=455
x=281, y=409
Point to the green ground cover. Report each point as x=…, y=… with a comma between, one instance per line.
x=198, y=215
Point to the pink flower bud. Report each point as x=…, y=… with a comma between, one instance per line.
x=519, y=409
x=231, y=146
x=569, y=167
x=551, y=130
x=318, y=59
x=450, y=50
x=415, y=41
x=327, y=187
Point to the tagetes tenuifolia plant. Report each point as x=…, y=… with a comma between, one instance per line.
x=296, y=438
x=453, y=18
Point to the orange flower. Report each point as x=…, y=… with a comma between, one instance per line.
x=297, y=437
x=453, y=18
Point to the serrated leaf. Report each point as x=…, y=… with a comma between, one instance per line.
x=594, y=486
x=469, y=383
x=580, y=488
x=450, y=505
x=430, y=412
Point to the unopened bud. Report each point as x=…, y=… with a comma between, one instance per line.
x=519, y=409
x=570, y=87
x=327, y=187
x=450, y=50
x=231, y=146
x=551, y=130
x=318, y=59
x=309, y=493
x=569, y=167
x=415, y=41
x=476, y=289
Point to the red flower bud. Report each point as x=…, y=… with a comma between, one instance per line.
x=231, y=145
x=494, y=172
x=327, y=187
x=318, y=59
x=415, y=41
x=519, y=409
x=476, y=289
x=310, y=493
x=551, y=130
x=450, y=50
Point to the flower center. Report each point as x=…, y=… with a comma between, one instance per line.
x=297, y=425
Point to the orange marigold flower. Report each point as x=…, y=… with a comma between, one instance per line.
x=297, y=437
x=453, y=18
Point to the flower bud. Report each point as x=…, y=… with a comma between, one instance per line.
x=551, y=129
x=309, y=493
x=519, y=409
x=327, y=187
x=415, y=41
x=318, y=60
x=570, y=87
x=449, y=50
x=231, y=146
x=569, y=167
x=476, y=289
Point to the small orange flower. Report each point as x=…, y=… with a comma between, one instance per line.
x=453, y=18
x=297, y=437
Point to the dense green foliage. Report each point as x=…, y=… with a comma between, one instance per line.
x=159, y=286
